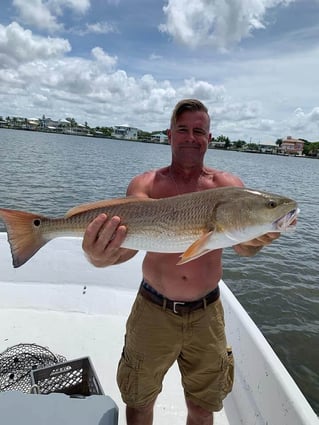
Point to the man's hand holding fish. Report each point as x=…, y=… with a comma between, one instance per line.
x=103, y=239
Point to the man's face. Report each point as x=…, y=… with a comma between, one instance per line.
x=189, y=136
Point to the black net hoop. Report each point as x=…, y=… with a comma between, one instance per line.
x=16, y=363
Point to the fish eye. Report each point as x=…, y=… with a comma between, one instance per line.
x=271, y=203
x=36, y=222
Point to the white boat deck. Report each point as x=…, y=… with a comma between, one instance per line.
x=79, y=335
x=59, y=301
x=79, y=320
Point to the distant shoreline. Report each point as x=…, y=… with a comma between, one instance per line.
x=102, y=136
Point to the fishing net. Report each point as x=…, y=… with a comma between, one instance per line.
x=17, y=362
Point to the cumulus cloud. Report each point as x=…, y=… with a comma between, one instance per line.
x=314, y=115
x=79, y=6
x=44, y=14
x=218, y=23
x=202, y=90
x=9, y=81
x=18, y=45
x=39, y=71
x=35, y=13
x=101, y=28
x=103, y=58
x=234, y=111
x=300, y=120
x=40, y=78
x=247, y=97
x=96, y=28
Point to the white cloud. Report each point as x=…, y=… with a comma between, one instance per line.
x=218, y=23
x=35, y=13
x=155, y=57
x=202, y=90
x=237, y=111
x=101, y=28
x=43, y=14
x=96, y=28
x=18, y=45
x=314, y=115
x=41, y=79
x=300, y=120
x=9, y=80
x=103, y=58
x=255, y=93
x=79, y=6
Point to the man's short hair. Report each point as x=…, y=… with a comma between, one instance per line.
x=187, y=105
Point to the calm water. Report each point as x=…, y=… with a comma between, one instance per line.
x=50, y=173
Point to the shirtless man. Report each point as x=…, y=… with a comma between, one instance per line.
x=177, y=314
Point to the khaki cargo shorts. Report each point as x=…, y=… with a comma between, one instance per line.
x=155, y=338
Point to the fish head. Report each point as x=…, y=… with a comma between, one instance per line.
x=262, y=212
x=239, y=215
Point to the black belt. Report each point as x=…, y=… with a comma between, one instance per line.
x=177, y=307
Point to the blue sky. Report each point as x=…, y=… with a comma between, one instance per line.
x=254, y=63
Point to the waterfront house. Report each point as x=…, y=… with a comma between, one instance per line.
x=48, y=124
x=32, y=123
x=217, y=144
x=271, y=149
x=291, y=146
x=81, y=130
x=159, y=138
x=125, y=132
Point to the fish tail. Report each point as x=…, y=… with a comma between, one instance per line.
x=25, y=234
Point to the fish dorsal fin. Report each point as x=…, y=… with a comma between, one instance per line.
x=196, y=249
x=105, y=204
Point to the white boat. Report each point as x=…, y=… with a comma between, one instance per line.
x=58, y=300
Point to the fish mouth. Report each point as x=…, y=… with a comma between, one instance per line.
x=286, y=221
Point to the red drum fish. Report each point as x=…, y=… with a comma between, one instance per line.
x=192, y=224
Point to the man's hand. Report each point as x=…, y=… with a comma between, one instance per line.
x=102, y=241
x=251, y=248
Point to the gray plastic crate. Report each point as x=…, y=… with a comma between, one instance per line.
x=74, y=378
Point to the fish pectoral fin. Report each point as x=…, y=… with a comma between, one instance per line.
x=231, y=237
x=196, y=249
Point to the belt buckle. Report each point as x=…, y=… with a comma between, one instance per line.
x=175, y=303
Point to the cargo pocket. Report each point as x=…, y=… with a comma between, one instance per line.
x=229, y=372
x=128, y=375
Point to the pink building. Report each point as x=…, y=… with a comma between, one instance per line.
x=290, y=146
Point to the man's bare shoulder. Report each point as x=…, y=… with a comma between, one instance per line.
x=155, y=184
x=139, y=184
x=150, y=175
x=222, y=178
x=143, y=184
